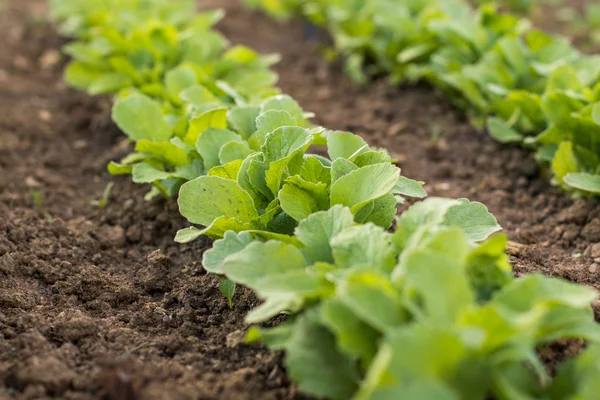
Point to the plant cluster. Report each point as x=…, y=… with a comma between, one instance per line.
x=531, y=88
x=215, y=120
x=174, y=77
x=428, y=311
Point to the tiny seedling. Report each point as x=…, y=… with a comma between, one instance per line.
x=227, y=288
x=38, y=202
x=103, y=201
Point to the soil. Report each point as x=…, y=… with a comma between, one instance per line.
x=100, y=303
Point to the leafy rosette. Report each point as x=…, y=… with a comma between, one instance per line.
x=430, y=311
x=273, y=189
x=170, y=151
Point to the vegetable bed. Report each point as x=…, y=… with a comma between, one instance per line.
x=99, y=301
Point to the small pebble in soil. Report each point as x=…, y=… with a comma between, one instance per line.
x=49, y=59
x=31, y=182
x=45, y=115
x=235, y=338
x=441, y=186
x=593, y=250
x=79, y=144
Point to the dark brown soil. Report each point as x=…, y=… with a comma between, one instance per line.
x=101, y=303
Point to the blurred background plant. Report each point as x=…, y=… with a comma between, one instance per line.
x=578, y=20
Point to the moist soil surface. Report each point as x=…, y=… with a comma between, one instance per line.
x=100, y=303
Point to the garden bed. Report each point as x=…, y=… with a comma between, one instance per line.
x=101, y=302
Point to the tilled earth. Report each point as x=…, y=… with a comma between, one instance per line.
x=101, y=303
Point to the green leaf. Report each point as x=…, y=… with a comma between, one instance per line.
x=350, y=190
x=425, y=352
x=272, y=307
x=233, y=151
x=316, y=232
x=578, y=378
x=341, y=167
x=276, y=236
x=287, y=104
x=209, y=144
x=565, y=161
x=241, y=54
x=207, y=198
x=140, y=117
x=212, y=259
x=258, y=261
x=502, y=132
x=243, y=120
x=413, y=52
x=276, y=338
x=190, y=171
x=284, y=142
x=558, y=108
x=515, y=53
x=373, y=298
x=81, y=76
x=227, y=288
x=525, y=293
x=109, y=83
x=315, y=362
x=344, y=145
x=409, y=187
x=430, y=212
x=488, y=268
x=299, y=202
x=582, y=181
x=232, y=91
x=228, y=171
x=371, y=157
x=179, y=79
x=198, y=96
x=313, y=171
x=438, y=277
x=251, y=178
x=144, y=173
x=283, y=150
x=271, y=120
x=294, y=285
x=473, y=219
x=596, y=113
x=381, y=211
x=166, y=151
x=354, y=336
x=177, y=142
x=221, y=225
x=215, y=118
x=119, y=169
x=256, y=175
x=564, y=78
x=187, y=235
x=364, y=245
x=426, y=390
